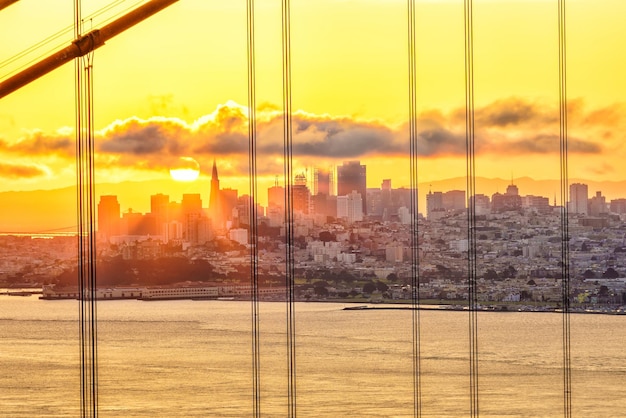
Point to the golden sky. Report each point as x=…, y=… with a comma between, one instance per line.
x=175, y=86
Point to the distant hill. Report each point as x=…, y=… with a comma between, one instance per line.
x=55, y=210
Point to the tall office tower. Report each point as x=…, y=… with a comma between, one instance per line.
x=158, y=208
x=193, y=224
x=434, y=203
x=512, y=190
x=276, y=196
x=276, y=204
x=175, y=221
x=301, y=195
x=597, y=204
x=322, y=182
x=618, y=205
x=538, y=204
x=352, y=176
x=578, y=195
x=482, y=204
x=241, y=217
x=454, y=200
x=133, y=224
x=108, y=217
x=228, y=201
x=350, y=207
x=509, y=201
x=215, y=202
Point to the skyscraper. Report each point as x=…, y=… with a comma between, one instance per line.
x=195, y=225
x=434, y=203
x=349, y=207
x=108, y=216
x=351, y=176
x=578, y=197
x=597, y=204
x=301, y=195
x=215, y=201
x=158, y=208
x=322, y=182
x=276, y=196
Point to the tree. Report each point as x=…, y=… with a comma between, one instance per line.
x=492, y=275
x=508, y=273
x=392, y=277
x=588, y=274
x=321, y=291
x=610, y=273
x=369, y=287
x=320, y=283
x=346, y=276
x=382, y=287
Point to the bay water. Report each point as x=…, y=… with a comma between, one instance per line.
x=194, y=359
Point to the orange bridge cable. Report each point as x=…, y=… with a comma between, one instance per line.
x=415, y=271
x=289, y=216
x=83, y=44
x=6, y=3
x=254, y=250
x=565, y=273
x=86, y=224
x=59, y=34
x=471, y=211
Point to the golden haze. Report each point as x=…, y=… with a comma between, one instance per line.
x=175, y=85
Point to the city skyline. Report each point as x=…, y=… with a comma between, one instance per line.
x=21, y=210
x=222, y=202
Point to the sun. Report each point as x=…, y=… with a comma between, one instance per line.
x=186, y=169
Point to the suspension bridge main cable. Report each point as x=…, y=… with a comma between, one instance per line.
x=60, y=34
x=565, y=273
x=415, y=262
x=254, y=239
x=86, y=224
x=471, y=210
x=289, y=219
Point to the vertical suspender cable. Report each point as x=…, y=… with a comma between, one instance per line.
x=415, y=270
x=86, y=225
x=254, y=239
x=289, y=231
x=471, y=211
x=565, y=274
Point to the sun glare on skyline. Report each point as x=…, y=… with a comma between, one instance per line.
x=187, y=169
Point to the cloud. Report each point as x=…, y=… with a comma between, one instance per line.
x=514, y=112
x=14, y=171
x=38, y=143
x=438, y=141
x=542, y=143
x=141, y=138
x=343, y=138
x=503, y=127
